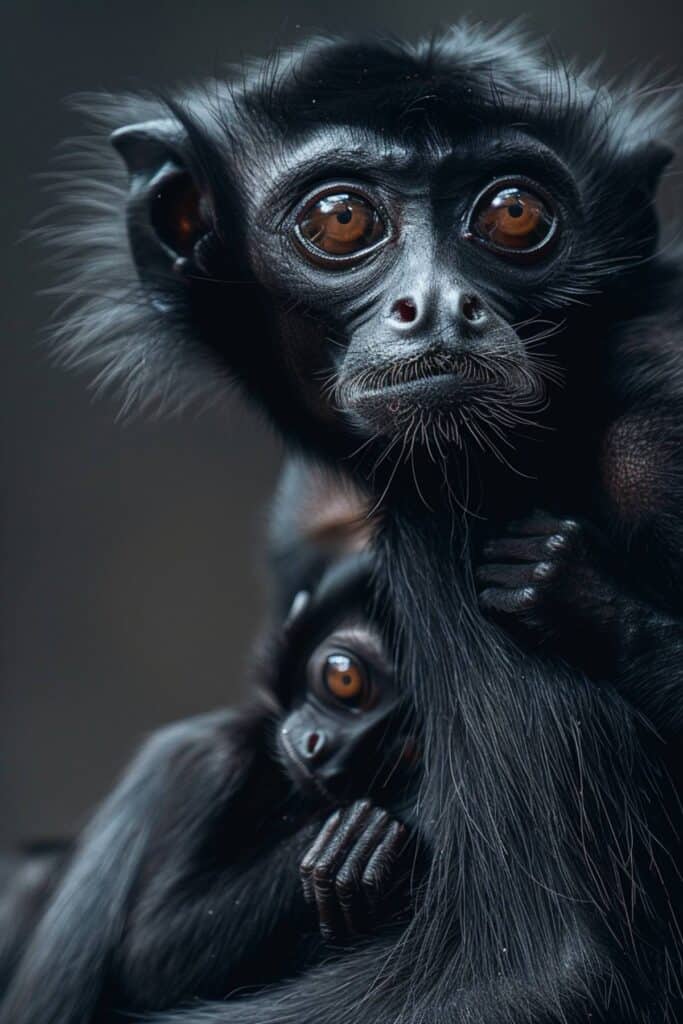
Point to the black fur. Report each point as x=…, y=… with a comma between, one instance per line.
x=553, y=892
x=28, y=876
x=200, y=845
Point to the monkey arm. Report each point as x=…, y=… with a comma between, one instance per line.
x=652, y=678
x=250, y=922
x=179, y=791
x=351, y=990
x=204, y=932
x=556, y=583
x=222, y=913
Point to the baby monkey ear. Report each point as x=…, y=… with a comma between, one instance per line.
x=168, y=214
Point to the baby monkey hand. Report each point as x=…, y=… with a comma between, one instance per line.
x=354, y=868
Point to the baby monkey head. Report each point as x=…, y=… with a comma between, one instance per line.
x=385, y=241
x=341, y=732
x=334, y=738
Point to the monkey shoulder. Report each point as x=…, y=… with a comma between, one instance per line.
x=210, y=749
x=640, y=454
x=641, y=468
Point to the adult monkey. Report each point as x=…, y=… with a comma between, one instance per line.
x=402, y=263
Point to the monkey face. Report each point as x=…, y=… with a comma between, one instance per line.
x=418, y=275
x=341, y=729
x=336, y=739
x=391, y=245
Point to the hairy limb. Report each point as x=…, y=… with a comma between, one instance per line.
x=179, y=790
x=200, y=929
x=555, y=584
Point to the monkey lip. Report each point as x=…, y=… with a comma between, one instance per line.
x=417, y=369
x=437, y=381
x=438, y=386
x=436, y=377
x=410, y=385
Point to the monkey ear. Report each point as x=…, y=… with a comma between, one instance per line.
x=146, y=145
x=648, y=163
x=167, y=213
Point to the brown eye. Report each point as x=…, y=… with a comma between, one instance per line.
x=514, y=219
x=342, y=224
x=345, y=679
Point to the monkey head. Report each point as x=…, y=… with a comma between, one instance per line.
x=386, y=244
x=334, y=738
x=341, y=731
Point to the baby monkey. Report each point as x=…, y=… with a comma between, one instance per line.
x=254, y=836
x=340, y=740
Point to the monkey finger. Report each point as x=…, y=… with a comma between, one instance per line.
x=511, y=576
x=353, y=822
x=537, y=524
x=330, y=917
x=328, y=856
x=335, y=838
x=508, y=602
x=519, y=549
x=380, y=869
x=348, y=880
x=313, y=854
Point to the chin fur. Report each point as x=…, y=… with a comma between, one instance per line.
x=437, y=400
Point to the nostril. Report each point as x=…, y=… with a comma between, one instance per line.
x=404, y=310
x=472, y=309
x=314, y=743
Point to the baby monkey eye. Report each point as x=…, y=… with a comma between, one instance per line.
x=514, y=220
x=346, y=679
x=340, y=224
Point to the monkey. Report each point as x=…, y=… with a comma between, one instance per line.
x=263, y=831
x=435, y=266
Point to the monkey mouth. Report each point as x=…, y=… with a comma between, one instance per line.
x=423, y=367
x=436, y=379
x=437, y=386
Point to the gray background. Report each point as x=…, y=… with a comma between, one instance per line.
x=130, y=567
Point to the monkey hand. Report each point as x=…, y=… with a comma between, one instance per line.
x=353, y=867
x=549, y=581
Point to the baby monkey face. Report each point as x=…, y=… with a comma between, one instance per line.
x=341, y=736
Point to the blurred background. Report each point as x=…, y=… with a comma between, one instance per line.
x=130, y=554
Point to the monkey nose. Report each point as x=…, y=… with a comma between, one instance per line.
x=404, y=311
x=463, y=309
x=313, y=745
x=469, y=310
x=409, y=313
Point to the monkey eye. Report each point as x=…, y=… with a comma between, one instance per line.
x=513, y=220
x=345, y=679
x=339, y=224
